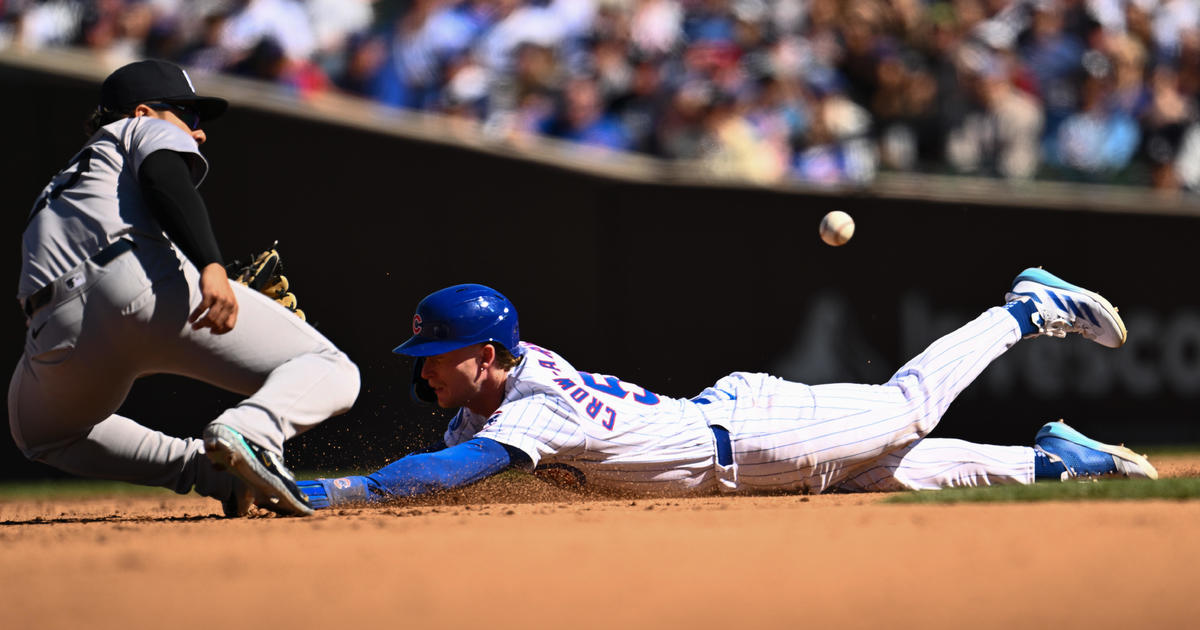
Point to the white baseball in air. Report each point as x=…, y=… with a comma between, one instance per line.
x=836, y=228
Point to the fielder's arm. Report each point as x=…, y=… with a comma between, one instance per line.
x=166, y=184
x=417, y=474
x=165, y=179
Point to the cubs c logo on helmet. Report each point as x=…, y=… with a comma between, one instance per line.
x=417, y=324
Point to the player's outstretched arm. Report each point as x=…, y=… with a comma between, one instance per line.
x=417, y=474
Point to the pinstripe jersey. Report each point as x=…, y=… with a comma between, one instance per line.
x=785, y=435
x=96, y=200
x=615, y=434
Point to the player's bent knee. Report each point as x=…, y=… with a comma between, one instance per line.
x=346, y=381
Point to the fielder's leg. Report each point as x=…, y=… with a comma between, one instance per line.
x=61, y=403
x=88, y=349
x=295, y=378
x=120, y=449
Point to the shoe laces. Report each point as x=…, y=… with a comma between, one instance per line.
x=1068, y=472
x=1054, y=326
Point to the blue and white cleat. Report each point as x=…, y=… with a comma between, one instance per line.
x=1062, y=308
x=262, y=470
x=1084, y=457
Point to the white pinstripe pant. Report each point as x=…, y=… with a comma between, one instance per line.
x=791, y=436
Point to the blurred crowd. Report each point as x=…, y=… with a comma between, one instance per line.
x=825, y=91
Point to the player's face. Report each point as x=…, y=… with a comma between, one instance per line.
x=177, y=115
x=456, y=376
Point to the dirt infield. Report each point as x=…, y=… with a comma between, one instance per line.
x=508, y=555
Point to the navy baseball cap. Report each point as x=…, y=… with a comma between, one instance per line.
x=156, y=80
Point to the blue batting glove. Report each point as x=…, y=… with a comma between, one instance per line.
x=327, y=493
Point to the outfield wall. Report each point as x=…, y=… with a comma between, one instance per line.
x=646, y=270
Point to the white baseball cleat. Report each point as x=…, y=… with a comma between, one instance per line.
x=1062, y=308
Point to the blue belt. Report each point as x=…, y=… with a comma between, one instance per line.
x=721, y=435
x=724, y=447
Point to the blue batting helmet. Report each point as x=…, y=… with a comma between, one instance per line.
x=460, y=316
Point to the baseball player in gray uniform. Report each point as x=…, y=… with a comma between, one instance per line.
x=523, y=405
x=121, y=277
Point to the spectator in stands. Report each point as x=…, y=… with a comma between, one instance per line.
x=1166, y=121
x=365, y=55
x=639, y=107
x=836, y=149
x=206, y=52
x=693, y=79
x=1001, y=133
x=117, y=30
x=656, y=27
x=1174, y=22
x=1054, y=56
x=780, y=113
x=1131, y=93
x=337, y=25
x=1099, y=140
x=733, y=147
x=903, y=105
x=285, y=22
x=410, y=74
x=265, y=61
x=863, y=44
x=1185, y=171
x=680, y=134
x=466, y=93
x=581, y=118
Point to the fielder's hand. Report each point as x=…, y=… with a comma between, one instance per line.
x=218, y=306
x=265, y=275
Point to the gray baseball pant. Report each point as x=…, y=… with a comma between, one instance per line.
x=107, y=326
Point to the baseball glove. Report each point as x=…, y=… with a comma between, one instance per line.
x=265, y=275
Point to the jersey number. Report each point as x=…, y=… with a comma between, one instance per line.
x=82, y=162
x=612, y=387
x=596, y=409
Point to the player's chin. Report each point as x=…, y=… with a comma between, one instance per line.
x=444, y=399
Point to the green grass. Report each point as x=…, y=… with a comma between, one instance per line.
x=1112, y=489
x=73, y=489
x=1176, y=489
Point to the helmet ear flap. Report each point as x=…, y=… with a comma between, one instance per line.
x=420, y=391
